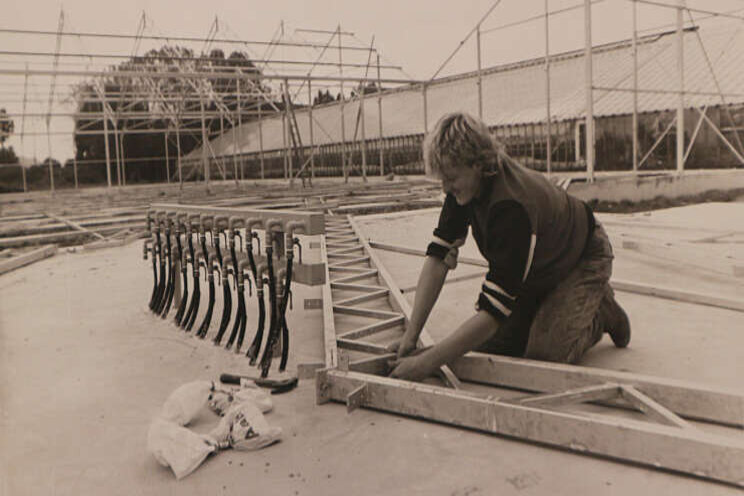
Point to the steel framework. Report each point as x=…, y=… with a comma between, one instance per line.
x=659, y=437
x=179, y=110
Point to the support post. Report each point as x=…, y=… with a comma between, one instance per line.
x=240, y=123
x=23, y=125
x=480, y=69
x=260, y=139
x=220, y=160
x=343, y=123
x=364, y=134
x=379, y=117
x=635, y=87
x=284, y=130
x=548, y=141
x=589, y=90
x=426, y=109
x=178, y=153
x=167, y=161
x=51, y=160
x=290, y=133
x=106, y=146
x=681, y=97
x=123, y=158
x=205, y=159
x=310, y=126
x=116, y=152
x=235, y=156
x=74, y=169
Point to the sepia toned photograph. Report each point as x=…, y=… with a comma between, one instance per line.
x=492, y=247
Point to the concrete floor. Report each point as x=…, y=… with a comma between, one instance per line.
x=84, y=366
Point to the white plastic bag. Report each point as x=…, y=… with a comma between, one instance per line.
x=185, y=402
x=221, y=400
x=244, y=428
x=260, y=398
x=177, y=447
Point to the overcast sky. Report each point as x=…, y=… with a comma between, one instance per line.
x=418, y=35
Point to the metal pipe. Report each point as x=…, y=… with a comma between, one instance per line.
x=635, y=87
x=548, y=137
x=480, y=70
x=341, y=106
x=240, y=124
x=205, y=139
x=589, y=126
x=379, y=116
x=680, y=141
x=260, y=141
x=222, y=74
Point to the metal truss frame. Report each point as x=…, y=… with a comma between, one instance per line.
x=656, y=435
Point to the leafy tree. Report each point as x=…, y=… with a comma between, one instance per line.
x=8, y=156
x=6, y=127
x=152, y=105
x=323, y=97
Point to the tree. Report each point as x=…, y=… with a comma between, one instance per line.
x=6, y=127
x=154, y=105
x=8, y=156
x=322, y=97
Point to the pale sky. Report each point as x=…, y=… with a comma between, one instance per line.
x=418, y=35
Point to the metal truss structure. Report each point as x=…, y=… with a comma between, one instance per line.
x=623, y=416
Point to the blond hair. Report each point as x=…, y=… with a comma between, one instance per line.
x=459, y=139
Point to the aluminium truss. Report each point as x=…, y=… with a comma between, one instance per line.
x=650, y=429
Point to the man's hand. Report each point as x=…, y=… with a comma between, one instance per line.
x=404, y=346
x=412, y=368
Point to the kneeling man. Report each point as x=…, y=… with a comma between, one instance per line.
x=546, y=295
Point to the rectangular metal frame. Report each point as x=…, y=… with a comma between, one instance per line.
x=662, y=440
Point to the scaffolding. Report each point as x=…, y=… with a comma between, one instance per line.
x=252, y=118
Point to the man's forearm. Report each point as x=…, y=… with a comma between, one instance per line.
x=470, y=335
x=430, y=283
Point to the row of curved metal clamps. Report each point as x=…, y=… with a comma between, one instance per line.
x=174, y=235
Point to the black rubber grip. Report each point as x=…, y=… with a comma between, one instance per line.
x=230, y=379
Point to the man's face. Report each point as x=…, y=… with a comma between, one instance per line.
x=463, y=182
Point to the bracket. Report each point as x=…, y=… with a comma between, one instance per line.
x=355, y=398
